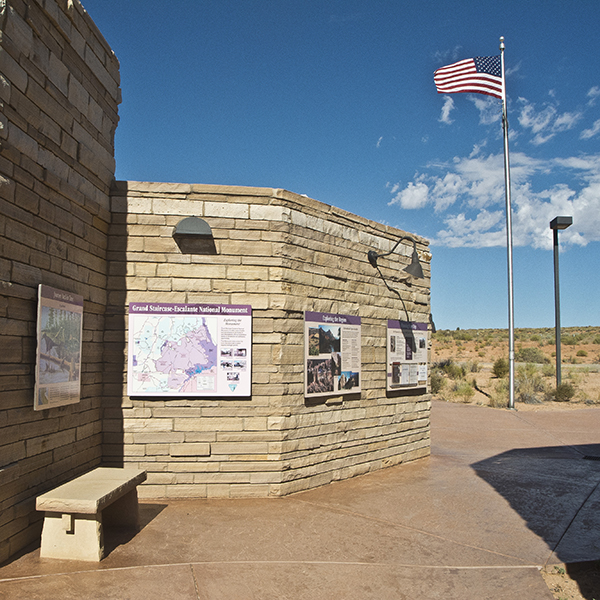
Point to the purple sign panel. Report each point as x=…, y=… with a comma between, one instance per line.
x=189, y=350
x=332, y=356
x=406, y=354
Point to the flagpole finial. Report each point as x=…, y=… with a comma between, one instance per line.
x=501, y=42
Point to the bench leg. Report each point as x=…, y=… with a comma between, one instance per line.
x=73, y=537
x=123, y=512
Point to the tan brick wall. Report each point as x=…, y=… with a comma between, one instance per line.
x=282, y=254
x=59, y=91
x=277, y=251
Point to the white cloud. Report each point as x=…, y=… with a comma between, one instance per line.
x=415, y=195
x=468, y=193
x=485, y=230
x=490, y=109
x=446, y=109
x=447, y=56
x=547, y=122
x=393, y=187
x=511, y=71
x=586, y=134
x=593, y=94
x=474, y=185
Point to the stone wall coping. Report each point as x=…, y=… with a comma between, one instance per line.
x=76, y=5
x=298, y=202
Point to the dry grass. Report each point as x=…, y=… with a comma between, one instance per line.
x=467, y=357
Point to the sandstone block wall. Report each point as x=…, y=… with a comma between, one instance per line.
x=59, y=92
x=62, y=226
x=282, y=254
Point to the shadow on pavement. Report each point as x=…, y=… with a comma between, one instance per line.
x=118, y=536
x=556, y=490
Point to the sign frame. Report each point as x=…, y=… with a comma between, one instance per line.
x=407, y=362
x=332, y=354
x=210, y=354
x=59, y=334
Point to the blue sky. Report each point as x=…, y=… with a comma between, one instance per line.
x=335, y=100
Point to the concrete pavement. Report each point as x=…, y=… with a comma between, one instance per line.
x=503, y=494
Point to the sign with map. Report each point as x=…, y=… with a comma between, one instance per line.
x=58, y=360
x=406, y=355
x=189, y=350
x=332, y=354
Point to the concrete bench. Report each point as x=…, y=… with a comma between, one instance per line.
x=75, y=512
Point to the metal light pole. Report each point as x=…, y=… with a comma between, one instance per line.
x=556, y=224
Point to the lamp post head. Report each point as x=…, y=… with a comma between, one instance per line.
x=561, y=222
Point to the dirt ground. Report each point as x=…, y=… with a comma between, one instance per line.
x=580, y=367
x=579, y=581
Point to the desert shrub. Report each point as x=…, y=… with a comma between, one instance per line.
x=596, y=340
x=535, y=338
x=451, y=369
x=463, y=390
x=548, y=370
x=463, y=336
x=570, y=340
x=530, y=355
x=529, y=385
x=564, y=392
x=581, y=353
x=499, y=395
x=500, y=368
x=438, y=382
x=472, y=366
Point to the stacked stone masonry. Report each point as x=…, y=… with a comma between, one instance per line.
x=283, y=254
x=59, y=92
x=65, y=223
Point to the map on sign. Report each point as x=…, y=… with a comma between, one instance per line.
x=188, y=350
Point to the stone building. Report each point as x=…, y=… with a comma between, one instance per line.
x=65, y=223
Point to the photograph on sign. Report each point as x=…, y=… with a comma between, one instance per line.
x=332, y=354
x=189, y=350
x=406, y=355
x=58, y=356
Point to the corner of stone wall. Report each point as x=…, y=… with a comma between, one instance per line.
x=59, y=93
x=283, y=254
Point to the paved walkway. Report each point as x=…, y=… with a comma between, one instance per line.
x=503, y=493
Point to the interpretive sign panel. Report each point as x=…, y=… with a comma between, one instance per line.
x=406, y=355
x=332, y=354
x=189, y=350
x=58, y=357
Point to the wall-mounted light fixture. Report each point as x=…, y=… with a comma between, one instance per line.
x=414, y=268
x=194, y=236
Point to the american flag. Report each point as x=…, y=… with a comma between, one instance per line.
x=480, y=75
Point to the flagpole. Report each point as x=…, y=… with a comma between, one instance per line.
x=509, y=244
